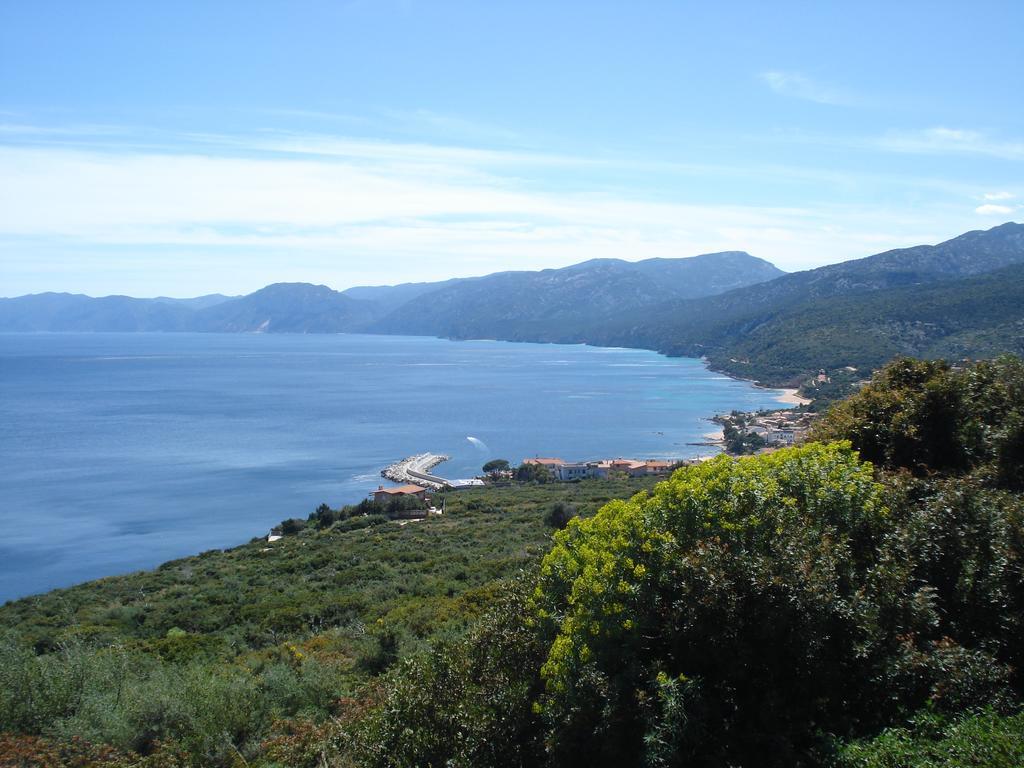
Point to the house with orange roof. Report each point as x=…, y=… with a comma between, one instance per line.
x=387, y=494
x=659, y=467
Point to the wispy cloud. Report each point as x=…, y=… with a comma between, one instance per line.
x=999, y=195
x=990, y=209
x=406, y=122
x=11, y=129
x=942, y=140
x=341, y=210
x=799, y=86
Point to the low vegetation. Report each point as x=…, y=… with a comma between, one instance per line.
x=211, y=655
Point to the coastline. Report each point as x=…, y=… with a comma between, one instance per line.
x=790, y=396
x=714, y=442
x=715, y=436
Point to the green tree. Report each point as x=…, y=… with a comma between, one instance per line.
x=927, y=417
x=495, y=468
x=738, y=613
x=464, y=704
x=533, y=473
x=559, y=514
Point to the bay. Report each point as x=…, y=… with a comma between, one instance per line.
x=122, y=451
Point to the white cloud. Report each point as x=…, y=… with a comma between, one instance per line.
x=800, y=86
x=943, y=140
x=999, y=196
x=990, y=209
x=343, y=211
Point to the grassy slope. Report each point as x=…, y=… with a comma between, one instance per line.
x=420, y=579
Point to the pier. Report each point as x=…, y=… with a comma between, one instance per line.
x=416, y=470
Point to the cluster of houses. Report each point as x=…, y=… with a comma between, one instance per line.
x=577, y=470
x=559, y=469
x=778, y=428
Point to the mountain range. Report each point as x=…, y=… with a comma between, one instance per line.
x=858, y=313
x=545, y=305
x=960, y=298
x=580, y=294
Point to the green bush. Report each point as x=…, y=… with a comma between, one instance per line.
x=984, y=740
x=928, y=417
x=748, y=608
x=464, y=704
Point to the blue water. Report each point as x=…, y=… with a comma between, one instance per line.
x=121, y=451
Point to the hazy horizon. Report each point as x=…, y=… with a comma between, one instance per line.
x=342, y=289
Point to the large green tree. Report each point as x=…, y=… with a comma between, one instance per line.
x=929, y=417
x=744, y=613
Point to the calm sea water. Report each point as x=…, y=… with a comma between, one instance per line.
x=121, y=451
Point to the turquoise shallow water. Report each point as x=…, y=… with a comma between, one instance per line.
x=121, y=451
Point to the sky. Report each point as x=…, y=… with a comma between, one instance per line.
x=183, y=148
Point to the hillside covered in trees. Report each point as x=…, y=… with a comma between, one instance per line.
x=855, y=601
x=504, y=304
x=963, y=298
x=960, y=298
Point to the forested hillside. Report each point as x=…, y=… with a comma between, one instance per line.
x=920, y=300
x=972, y=317
x=507, y=304
x=232, y=651
x=567, y=304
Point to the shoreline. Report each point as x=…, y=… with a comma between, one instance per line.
x=789, y=396
x=715, y=436
x=715, y=439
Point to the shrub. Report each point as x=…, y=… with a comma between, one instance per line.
x=740, y=613
x=987, y=739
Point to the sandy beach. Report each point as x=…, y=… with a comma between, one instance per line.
x=790, y=397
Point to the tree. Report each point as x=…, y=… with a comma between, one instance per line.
x=742, y=611
x=533, y=473
x=292, y=526
x=927, y=416
x=465, y=703
x=559, y=514
x=496, y=467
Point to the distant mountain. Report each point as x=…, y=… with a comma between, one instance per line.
x=278, y=308
x=286, y=308
x=390, y=297
x=199, y=302
x=566, y=304
x=75, y=312
x=977, y=316
x=526, y=303
x=724, y=327
x=960, y=298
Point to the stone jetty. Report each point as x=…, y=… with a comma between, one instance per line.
x=416, y=470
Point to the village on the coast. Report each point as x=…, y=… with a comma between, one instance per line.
x=740, y=433
x=766, y=431
x=412, y=498
x=761, y=432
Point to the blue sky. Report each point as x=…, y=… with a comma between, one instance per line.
x=181, y=148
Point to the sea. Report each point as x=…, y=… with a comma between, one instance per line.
x=121, y=451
